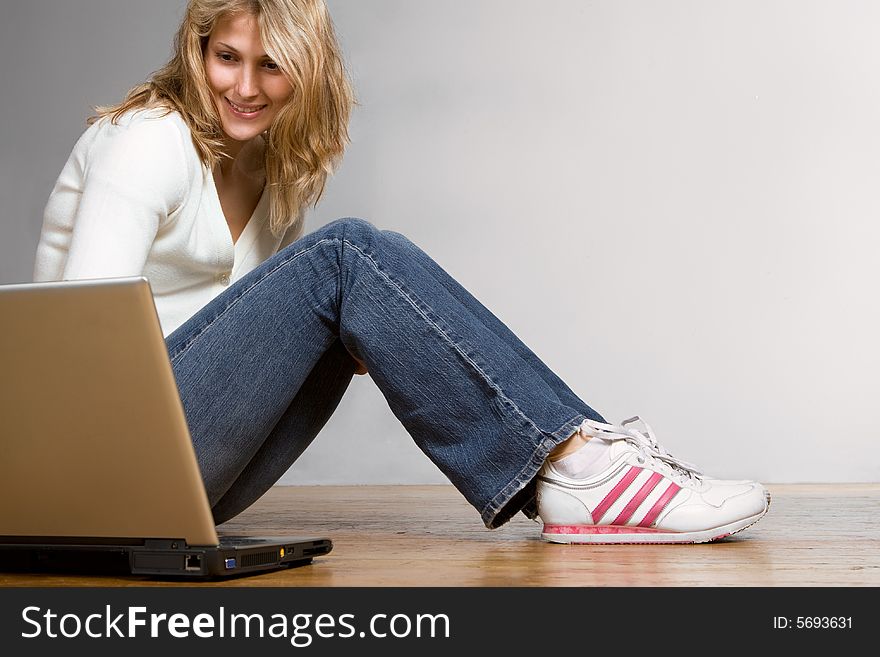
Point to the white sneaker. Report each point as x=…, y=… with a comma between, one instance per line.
x=644, y=495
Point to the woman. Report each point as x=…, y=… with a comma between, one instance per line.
x=198, y=181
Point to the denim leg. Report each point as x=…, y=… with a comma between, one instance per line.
x=428, y=266
x=474, y=398
x=309, y=411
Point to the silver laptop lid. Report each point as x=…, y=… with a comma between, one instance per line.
x=93, y=437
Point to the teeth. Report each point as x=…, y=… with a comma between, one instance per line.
x=243, y=110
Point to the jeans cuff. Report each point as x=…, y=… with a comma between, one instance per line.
x=519, y=494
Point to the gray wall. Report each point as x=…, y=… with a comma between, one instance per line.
x=673, y=203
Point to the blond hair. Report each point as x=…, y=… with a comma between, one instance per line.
x=309, y=134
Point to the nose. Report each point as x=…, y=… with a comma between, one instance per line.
x=246, y=86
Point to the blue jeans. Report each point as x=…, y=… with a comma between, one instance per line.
x=261, y=368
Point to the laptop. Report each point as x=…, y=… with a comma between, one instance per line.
x=97, y=468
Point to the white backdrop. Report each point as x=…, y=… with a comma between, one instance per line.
x=673, y=203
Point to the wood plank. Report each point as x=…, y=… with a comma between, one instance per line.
x=814, y=535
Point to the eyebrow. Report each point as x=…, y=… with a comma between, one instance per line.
x=235, y=50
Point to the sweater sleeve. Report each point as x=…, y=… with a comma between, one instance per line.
x=135, y=176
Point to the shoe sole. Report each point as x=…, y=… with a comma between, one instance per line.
x=617, y=535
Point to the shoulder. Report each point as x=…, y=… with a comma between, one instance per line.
x=148, y=132
x=151, y=148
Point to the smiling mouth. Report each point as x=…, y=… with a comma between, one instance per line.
x=242, y=109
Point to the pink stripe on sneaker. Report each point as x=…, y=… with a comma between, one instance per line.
x=598, y=529
x=637, y=499
x=616, y=492
x=659, y=505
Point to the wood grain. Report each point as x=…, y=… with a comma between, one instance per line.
x=814, y=535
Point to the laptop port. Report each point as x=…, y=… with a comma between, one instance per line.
x=193, y=562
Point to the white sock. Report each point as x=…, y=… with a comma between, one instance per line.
x=585, y=462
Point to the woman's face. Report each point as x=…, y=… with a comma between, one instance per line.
x=247, y=86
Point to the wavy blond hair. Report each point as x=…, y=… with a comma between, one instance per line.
x=309, y=134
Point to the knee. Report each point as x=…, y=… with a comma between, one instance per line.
x=364, y=235
x=394, y=237
x=352, y=229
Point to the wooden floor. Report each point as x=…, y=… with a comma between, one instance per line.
x=814, y=535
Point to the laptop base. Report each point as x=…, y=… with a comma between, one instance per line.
x=160, y=557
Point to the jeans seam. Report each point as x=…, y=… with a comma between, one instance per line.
x=395, y=285
x=541, y=448
x=235, y=301
x=446, y=337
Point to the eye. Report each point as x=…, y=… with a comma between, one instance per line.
x=271, y=66
x=225, y=57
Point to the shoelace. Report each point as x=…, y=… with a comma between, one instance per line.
x=644, y=441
